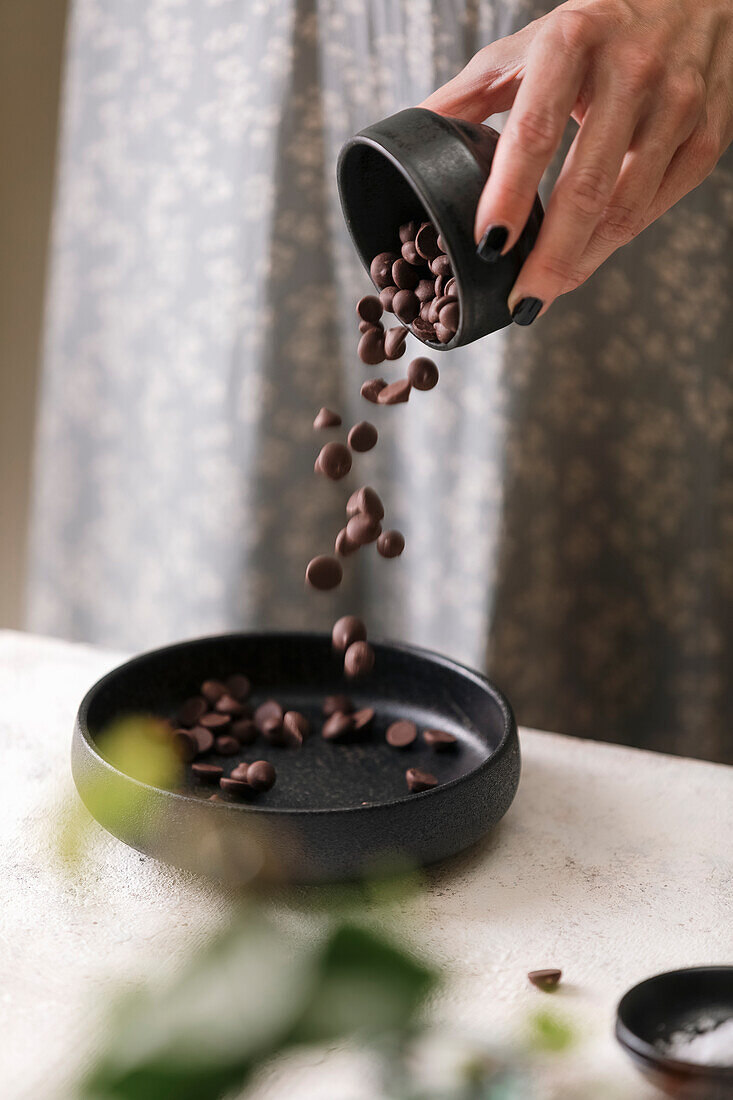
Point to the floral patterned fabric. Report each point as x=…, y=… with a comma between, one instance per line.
x=566, y=492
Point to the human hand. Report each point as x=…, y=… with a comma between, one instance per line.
x=650, y=83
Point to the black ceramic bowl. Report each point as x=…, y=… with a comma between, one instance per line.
x=336, y=811
x=416, y=165
x=670, y=1002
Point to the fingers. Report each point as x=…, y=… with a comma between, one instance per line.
x=557, y=63
x=488, y=83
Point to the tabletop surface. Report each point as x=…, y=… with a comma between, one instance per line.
x=612, y=864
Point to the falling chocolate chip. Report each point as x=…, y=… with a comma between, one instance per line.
x=227, y=704
x=365, y=500
x=245, y=730
x=401, y=734
x=363, y=529
x=348, y=629
x=358, y=660
x=420, y=780
x=261, y=775
x=332, y=704
x=440, y=740
x=386, y=296
x=396, y=393
x=269, y=716
x=334, y=460
x=546, y=980
x=239, y=686
x=212, y=691
x=338, y=726
x=371, y=389
x=363, y=719
x=422, y=373
x=380, y=268
x=343, y=544
x=390, y=544
x=324, y=572
x=394, y=342
x=369, y=308
x=363, y=436
x=326, y=418
x=295, y=728
x=371, y=347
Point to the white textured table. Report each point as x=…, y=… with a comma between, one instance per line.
x=611, y=864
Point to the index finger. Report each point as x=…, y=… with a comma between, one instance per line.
x=556, y=68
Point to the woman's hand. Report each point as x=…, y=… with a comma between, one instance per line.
x=651, y=84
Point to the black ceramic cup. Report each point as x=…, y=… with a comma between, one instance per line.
x=418, y=165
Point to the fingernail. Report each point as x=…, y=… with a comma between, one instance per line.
x=526, y=310
x=490, y=246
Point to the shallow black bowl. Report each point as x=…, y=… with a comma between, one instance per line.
x=670, y=1002
x=416, y=165
x=336, y=811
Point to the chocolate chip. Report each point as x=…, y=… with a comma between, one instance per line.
x=185, y=744
x=439, y=287
x=419, y=780
x=334, y=460
x=362, y=529
x=433, y=313
x=212, y=691
x=396, y=393
x=204, y=739
x=410, y=255
x=207, y=773
x=239, y=686
x=401, y=734
x=228, y=705
x=546, y=980
x=408, y=231
x=426, y=241
x=444, y=334
x=385, y=297
x=441, y=266
x=261, y=775
x=380, y=268
x=371, y=347
x=390, y=544
x=363, y=719
x=365, y=326
x=422, y=373
x=324, y=572
x=358, y=660
x=332, y=704
x=245, y=730
x=338, y=726
x=425, y=290
x=363, y=436
x=326, y=418
x=425, y=309
x=269, y=716
x=365, y=500
x=227, y=745
x=394, y=343
x=296, y=728
x=239, y=771
x=450, y=315
x=451, y=287
x=423, y=329
x=406, y=306
x=371, y=389
x=348, y=629
x=441, y=244
x=439, y=740
x=369, y=308
x=214, y=721
x=343, y=544
x=190, y=711
x=238, y=787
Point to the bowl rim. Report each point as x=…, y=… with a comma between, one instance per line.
x=509, y=732
x=647, y=1052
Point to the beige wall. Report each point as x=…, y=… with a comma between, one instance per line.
x=31, y=41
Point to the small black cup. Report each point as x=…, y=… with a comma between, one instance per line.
x=419, y=165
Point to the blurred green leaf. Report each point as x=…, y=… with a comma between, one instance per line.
x=548, y=1032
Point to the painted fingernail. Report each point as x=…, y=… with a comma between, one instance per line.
x=492, y=242
x=526, y=310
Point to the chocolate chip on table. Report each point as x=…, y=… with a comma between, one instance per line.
x=207, y=773
x=380, y=268
x=214, y=721
x=363, y=436
x=226, y=745
x=365, y=500
x=401, y=734
x=332, y=704
x=245, y=730
x=358, y=660
x=371, y=389
x=420, y=780
x=369, y=308
x=422, y=373
x=363, y=718
x=204, y=739
x=185, y=744
x=229, y=705
x=338, y=726
x=190, y=711
x=394, y=343
x=408, y=231
x=450, y=315
x=426, y=241
x=334, y=460
x=343, y=544
x=386, y=296
x=371, y=347
x=326, y=418
x=239, y=771
x=546, y=980
x=296, y=728
x=269, y=716
x=390, y=544
x=406, y=307
x=396, y=393
x=238, y=787
x=348, y=629
x=439, y=740
x=212, y=691
x=239, y=686
x=261, y=775
x=324, y=572
x=363, y=529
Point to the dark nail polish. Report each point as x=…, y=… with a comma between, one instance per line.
x=492, y=242
x=526, y=310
